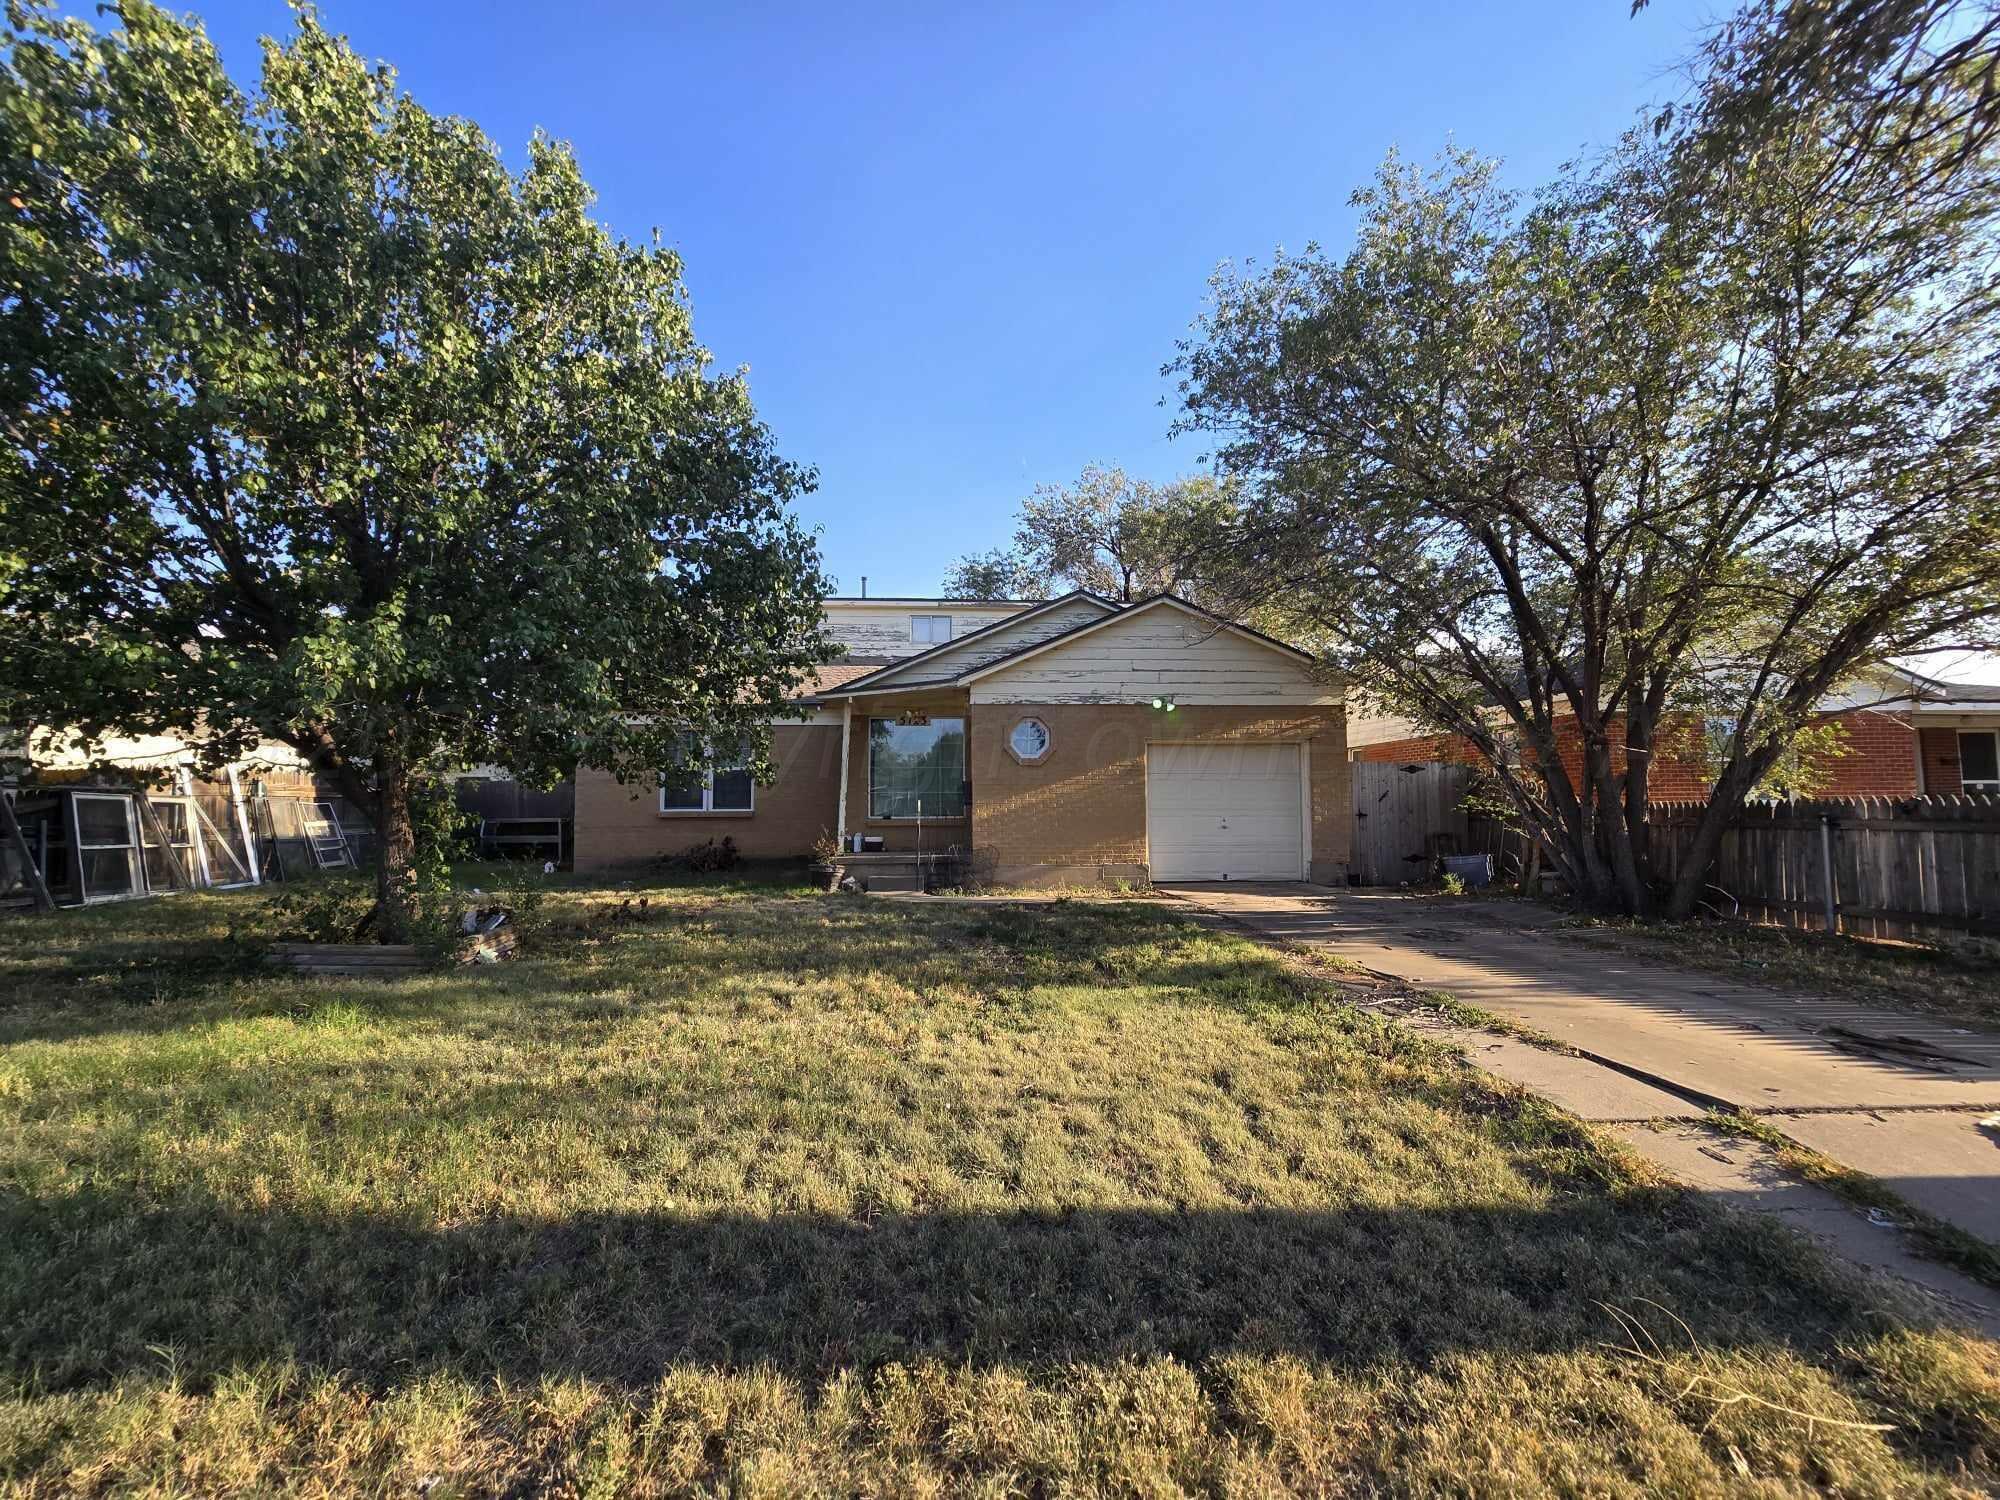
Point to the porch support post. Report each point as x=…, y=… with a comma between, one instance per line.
x=846, y=739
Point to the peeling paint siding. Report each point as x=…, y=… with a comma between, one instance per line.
x=999, y=642
x=1159, y=652
x=884, y=629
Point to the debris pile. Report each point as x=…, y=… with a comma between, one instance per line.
x=488, y=938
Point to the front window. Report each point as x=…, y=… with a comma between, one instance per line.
x=723, y=785
x=916, y=767
x=1979, y=759
x=930, y=630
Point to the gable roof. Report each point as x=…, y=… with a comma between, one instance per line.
x=1132, y=611
x=877, y=682
x=878, y=677
x=954, y=601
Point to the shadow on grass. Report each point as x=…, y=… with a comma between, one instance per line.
x=99, y=1286
x=145, y=975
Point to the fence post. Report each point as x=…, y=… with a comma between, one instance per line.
x=1826, y=870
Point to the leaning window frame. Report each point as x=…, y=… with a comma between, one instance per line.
x=133, y=849
x=708, y=809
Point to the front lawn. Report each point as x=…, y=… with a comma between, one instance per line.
x=772, y=1193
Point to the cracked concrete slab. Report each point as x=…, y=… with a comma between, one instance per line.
x=1909, y=1100
x=1946, y=1162
x=1745, y=1174
x=1581, y=1086
x=1753, y=1047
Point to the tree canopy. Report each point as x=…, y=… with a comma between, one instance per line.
x=996, y=574
x=1706, y=427
x=323, y=425
x=1121, y=537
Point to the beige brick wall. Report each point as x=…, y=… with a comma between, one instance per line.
x=1078, y=815
x=1082, y=811
x=623, y=825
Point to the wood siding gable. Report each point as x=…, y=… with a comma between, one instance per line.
x=1161, y=649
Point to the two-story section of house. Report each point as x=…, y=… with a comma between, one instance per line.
x=1072, y=739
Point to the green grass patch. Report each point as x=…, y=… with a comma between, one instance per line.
x=769, y=1193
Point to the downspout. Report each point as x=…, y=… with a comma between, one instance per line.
x=846, y=738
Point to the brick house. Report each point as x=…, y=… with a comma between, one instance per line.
x=1907, y=734
x=1061, y=740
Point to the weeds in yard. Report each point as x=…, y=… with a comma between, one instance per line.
x=769, y=1194
x=1941, y=981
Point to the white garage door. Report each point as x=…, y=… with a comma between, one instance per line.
x=1224, y=812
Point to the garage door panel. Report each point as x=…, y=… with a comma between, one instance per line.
x=1224, y=812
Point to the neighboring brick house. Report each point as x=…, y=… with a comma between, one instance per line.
x=1905, y=733
x=1060, y=740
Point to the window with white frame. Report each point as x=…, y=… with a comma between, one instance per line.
x=722, y=785
x=1979, y=760
x=107, y=842
x=930, y=630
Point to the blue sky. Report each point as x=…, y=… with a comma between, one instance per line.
x=954, y=244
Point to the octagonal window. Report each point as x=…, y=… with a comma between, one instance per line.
x=1028, y=740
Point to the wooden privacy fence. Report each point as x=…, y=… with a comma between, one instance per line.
x=1912, y=867
x=1915, y=868
x=1405, y=816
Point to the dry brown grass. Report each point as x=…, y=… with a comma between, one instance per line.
x=1957, y=983
x=774, y=1194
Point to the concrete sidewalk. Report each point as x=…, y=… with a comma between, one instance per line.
x=1901, y=1097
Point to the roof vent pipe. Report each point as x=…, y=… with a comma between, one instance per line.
x=864, y=585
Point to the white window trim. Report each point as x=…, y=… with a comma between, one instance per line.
x=1978, y=786
x=930, y=637
x=708, y=809
x=965, y=751
x=134, y=851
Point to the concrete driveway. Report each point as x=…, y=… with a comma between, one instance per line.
x=1901, y=1097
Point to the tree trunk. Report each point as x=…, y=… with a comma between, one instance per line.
x=395, y=867
x=1725, y=799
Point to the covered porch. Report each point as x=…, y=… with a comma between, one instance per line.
x=905, y=779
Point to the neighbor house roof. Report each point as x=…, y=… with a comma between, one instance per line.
x=837, y=674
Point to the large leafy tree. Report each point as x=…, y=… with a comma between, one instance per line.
x=1709, y=426
x=1121, y=537
x=322, y=425
x=1000, y=573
